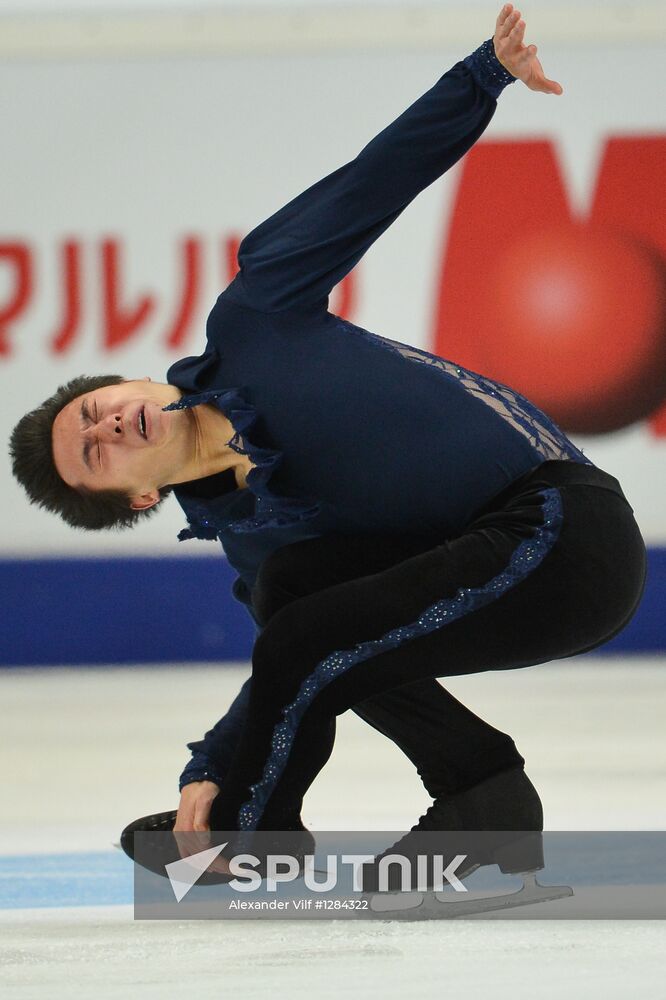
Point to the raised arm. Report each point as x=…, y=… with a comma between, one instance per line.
x=298, y=255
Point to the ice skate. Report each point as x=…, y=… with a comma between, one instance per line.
x=505, y=803
x=498, y=821
x=161, y=850
x=522, y=855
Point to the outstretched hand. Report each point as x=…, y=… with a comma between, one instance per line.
x=520, y=60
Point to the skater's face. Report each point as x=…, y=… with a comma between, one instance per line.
x=119, y=438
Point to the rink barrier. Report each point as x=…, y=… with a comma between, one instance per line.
x=85, y=612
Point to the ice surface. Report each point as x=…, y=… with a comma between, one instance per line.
x=84, y=954
x=86, y=751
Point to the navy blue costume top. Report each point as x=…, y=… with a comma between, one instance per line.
x=349, y=431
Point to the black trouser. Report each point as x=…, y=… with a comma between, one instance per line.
x=553, y=567
x=450, y=747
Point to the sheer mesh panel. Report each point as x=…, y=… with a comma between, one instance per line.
x=545, y=437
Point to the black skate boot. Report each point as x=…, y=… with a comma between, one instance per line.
x=497, y=821
x=162, y=849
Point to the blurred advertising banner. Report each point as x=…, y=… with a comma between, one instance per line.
x=539, y=260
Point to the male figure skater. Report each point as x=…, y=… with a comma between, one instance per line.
x=393, y=518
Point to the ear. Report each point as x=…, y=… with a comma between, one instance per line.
x=146, y=378
x=145, y=500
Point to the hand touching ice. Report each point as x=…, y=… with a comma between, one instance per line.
x=193, y=822
x=520, y=60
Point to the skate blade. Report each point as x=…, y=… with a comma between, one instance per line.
x=439, y=904
x=530, y=892
x=382, y=902
x=386, y=902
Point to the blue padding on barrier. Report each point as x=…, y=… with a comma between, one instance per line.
x=646, y=632
x=177, y=610
x=88, y=611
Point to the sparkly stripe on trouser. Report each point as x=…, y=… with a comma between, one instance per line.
x=527, y=556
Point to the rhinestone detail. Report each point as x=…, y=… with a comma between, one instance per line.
x=526, y=557
x=487, y=70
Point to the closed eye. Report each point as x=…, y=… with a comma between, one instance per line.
x=85, y=415
x=99, y=447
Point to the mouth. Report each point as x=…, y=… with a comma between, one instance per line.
x=141, y=423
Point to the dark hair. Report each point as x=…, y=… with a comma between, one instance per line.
x=31, y=450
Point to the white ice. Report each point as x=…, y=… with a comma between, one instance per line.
x=85, y=751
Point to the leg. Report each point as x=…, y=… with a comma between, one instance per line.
x=451, y=747
x=530, y=582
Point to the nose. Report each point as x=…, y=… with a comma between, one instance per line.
x=110, y=428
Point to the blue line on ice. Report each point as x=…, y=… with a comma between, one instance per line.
x=99, y=878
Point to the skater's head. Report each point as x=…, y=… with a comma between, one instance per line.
x=101, y=452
